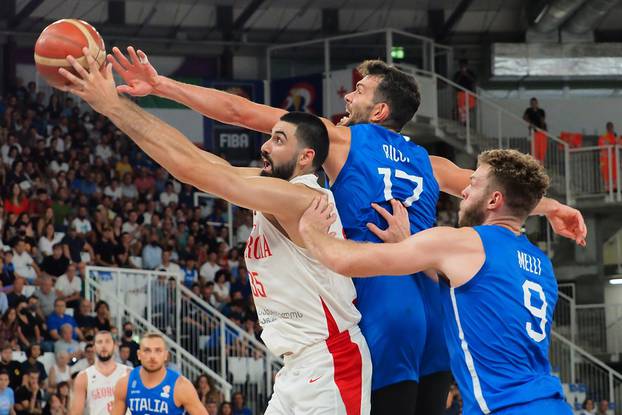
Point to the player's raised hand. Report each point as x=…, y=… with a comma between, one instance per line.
x=568, y=222
x=95, y=87
x=398, y=223
x=319, y=216
x=139, y=75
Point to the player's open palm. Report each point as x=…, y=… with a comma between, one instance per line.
x=140, y=76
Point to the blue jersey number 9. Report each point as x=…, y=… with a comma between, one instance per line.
x=399, y=174
x=538, y=312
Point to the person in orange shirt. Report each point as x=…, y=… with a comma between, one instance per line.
x=608, y=158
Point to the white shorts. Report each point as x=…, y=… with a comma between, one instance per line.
x=328, y=378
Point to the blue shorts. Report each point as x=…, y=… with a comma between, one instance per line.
x=541, y=406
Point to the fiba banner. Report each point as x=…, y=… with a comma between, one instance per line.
x=236, y=144
x=303, y=93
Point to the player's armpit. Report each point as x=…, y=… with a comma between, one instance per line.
x=187, y=397
x=120, y=391
x=79, y=395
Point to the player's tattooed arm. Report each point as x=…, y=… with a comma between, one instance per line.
x=565, y=220
x=79, y=395
x=187, y=397
x=120, y=392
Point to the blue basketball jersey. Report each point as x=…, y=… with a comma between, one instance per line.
x=381, y=166
x=149, y=401
x=498, y=326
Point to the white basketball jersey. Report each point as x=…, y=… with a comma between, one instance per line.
x=299, y=301
x=100, y=389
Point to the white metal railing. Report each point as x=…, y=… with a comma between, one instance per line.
x=612, y=251
x=184, y=361
x=459, y=115
x=599, y=327
x=232, y=352
x=575, y=365
x=596, y=171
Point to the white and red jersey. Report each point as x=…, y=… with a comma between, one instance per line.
x=100, y=389
x=299, y=301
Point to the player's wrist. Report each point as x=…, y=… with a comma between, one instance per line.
x=162, y=86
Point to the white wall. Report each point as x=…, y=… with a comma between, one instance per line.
x=587, y=114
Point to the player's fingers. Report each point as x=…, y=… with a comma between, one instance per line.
x=108, y=72
x=115, y=64
x=376, y=231
x=70, y=77
x=383, y=212
x=121, y=58
x=124, y=89
x=90, y=60
x=78, y=68
x=133, y=57
x=142, y=57
x=315, y=203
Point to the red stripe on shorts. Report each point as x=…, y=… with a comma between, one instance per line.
x=347, y=362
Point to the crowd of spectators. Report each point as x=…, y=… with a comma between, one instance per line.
x=77, y=192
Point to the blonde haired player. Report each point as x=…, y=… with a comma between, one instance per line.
x=306, y=310
x=94, y=387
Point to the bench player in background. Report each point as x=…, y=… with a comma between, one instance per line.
x=368, y=162
x=94, y=387
x=306, y=311
x=498, y=290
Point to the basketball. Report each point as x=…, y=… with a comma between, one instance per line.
x=66, y=37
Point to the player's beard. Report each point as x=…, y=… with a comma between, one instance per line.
x=355, y=116
x=474, y=215
x=103, y=358
x=285, y=172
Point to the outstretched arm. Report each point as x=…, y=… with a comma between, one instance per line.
x=565, y=220
x=173, y=151
x=141, y=79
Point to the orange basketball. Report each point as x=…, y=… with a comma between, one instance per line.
x=66, y=37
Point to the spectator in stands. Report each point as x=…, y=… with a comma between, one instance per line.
x=588, y=407
x=56, y=320
x=4, y=301
x=63, y=395
x=239, y=403
x=73, y=246
x=124, y=355
x=28, y=332
x=209, y=269
x=212, y=408
x=608, y=157
x=35, y=314
x=225, y=409
x=32, y=363
x=30, y=398
x=207, y=293
x=25, y=266
x=68, y=287
x=222, y=287
x=46, y=295
x=152, y=253
x=84, y=318
x=168, y=196
x=17, y=202
x=105, y=249
x=603, y=407
x=66, y=343
x=128, y=340
x=206, y=391
x=56, y=264
x=41, y=202
x=8, y=328
x=189, y=271
x=244, y=230
x=241, y=283
x=60, y=371
x=81, y=223
x=167, y=265
x=10, y=366
x=7, y=398
x=132, y=226
x=17, y=295
x=86, y=361
x=534, y=115
x=102, y=317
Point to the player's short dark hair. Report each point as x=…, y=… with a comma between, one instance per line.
x=104, y=333
x=311, y=133
x=398, y=89
x=520, y=177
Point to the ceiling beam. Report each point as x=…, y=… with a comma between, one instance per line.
x=26, y=11
x=455, y=17
x=246, y=14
